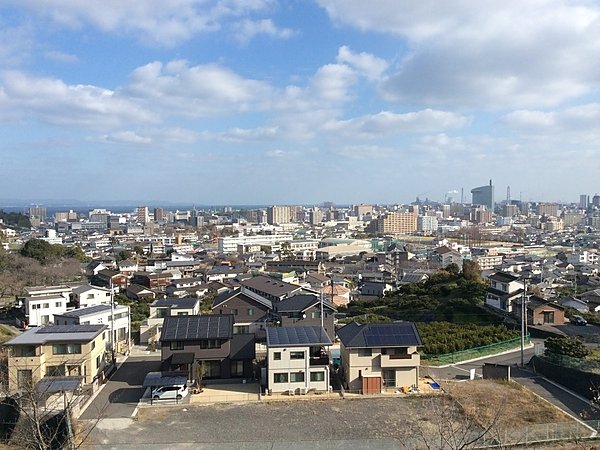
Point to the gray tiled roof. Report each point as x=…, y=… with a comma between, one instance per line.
x=296, y=336
x=301, y=303
x=270, y=286
x=175, y=303
x=57, y=333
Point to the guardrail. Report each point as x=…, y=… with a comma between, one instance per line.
x=473, y=353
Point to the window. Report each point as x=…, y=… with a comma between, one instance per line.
x=241, y=329
x=250, y=311
x=296, y=377
x=35, y=306
x=45, y=320
x=100, y=320
x=121, y=334
x=58, y=304
x=365, y=352
x=24, y=379
x=182, y=313
x=162, y=312
x=315, y=315
x=296, y=355
x=548, y=316
x=277, y=356
x=317, y=376
x=66, y=349
x=177, y=345
x=46, y=305
x=55, y=371
x=235, y=311
x=90, y=296
x=237, y=368
x=280, y=378
x=93, y=345
x=24, y=350
x=210, y=343
x=98, y=362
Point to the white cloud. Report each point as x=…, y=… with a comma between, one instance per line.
x=163, y=22
x=16, y=43
x=56, y=102
x=194, y=91
x=58, y=56
x=365, y=151
x=125, y=137
x=388, y=123
x=367, y=64
x=247, y=29
x=469, y=53
x=239, y=135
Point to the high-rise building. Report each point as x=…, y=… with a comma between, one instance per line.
x=584, y=201
x=362, y=210
x=143, y=216
x=547, y=209
x=484, y=196
x=510, y=210
x=37, y=215
x=596, y=201
x=398, y=222
x=446, y=211
x=315, y=216
x=159, y=215
x=277, y=215
x=427, y=224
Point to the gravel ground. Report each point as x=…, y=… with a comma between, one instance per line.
x=365, y=423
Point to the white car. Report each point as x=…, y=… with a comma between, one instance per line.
x=169, y=392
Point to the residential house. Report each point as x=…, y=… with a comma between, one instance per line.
x=250, y=311
x=40, y=310
x=316, y=280
x=139, y=292
x=377, y=289
x=106, y=277
x=413, y=277
x=88, y=295
x=128, y=267
x=154, y=280
x=270, y=288
x=336, y=294
x=379, y=355
x=151, y=328
x=205, y=347
x=58, y=350
x=183, y=284
x=504, y=288
x=305, y=310
x=574, y=303
x=541, y=311
x=297, y=361
x=444, y=256
x=117, y=318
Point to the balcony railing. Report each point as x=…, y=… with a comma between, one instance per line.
x=319, y=361
x=400, y=360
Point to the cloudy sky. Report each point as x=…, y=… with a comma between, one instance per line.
x=298, y=101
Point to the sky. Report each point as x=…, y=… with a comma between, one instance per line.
x=298, y=101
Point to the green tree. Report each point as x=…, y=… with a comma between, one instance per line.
x=471, y=271
x=568, y=346
x=453, y=269
x=38, y=249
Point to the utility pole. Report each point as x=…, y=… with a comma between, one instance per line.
x=523, y=321
x=112, y=321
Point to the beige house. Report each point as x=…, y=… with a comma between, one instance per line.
x=379, y=356
x=58, y=350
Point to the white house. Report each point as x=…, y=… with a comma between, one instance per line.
x=151, y=328
x=88, y=295
x=297, y=361
x=504, y=288
x=118, y=321
x=41, y=310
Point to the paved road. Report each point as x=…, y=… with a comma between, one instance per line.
x=569, y=402
x=120, y=395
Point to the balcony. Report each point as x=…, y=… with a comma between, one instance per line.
x=391, y=361
x=319, y=361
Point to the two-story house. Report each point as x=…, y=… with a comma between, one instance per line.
x=58, y=350
x=88, y=295
x=305, y=310
x=379, y=356
x=117, y=319
x=504, y=288
x=270, y=288
x=250, y=311
x=297, y=361
x=151, y=328
x=206, y=348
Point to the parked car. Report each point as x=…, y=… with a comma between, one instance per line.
x=578, y=320
x=170, y=392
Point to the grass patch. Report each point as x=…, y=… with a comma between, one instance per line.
x=7, y=333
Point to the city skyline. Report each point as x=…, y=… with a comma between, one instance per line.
x=272, y=102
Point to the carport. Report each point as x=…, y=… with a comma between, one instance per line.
x=159, y=379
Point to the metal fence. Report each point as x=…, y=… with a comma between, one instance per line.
x=473, y=353
x=583, y=365
x=540, y=433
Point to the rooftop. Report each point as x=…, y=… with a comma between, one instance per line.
x=404, y=334
x=296, y=336
x=182, y=328
x=57, y=333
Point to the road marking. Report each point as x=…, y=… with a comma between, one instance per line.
x=135, y=411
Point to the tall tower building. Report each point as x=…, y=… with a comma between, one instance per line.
x=484, y=196
x=277, y=215
x=143, y=216
x=37, y=215
x=584, y=201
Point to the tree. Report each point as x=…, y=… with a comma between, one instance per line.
x=452, y=268
x=39, y=250
x=567, y=346
x=471, y=271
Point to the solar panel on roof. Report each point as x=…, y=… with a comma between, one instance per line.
x=392, y=334
x=69, y=329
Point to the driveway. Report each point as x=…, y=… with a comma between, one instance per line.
x=119, y=396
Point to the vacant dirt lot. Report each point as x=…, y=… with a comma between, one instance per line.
x=506, y=402
x=367, y=423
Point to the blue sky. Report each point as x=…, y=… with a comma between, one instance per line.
x=266, y=101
